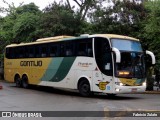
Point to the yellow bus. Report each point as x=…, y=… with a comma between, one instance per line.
x=104, y=63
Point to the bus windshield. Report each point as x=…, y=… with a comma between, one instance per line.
x=132, y=59
x=126, y=45
x=131, y=66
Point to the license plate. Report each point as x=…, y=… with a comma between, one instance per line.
x=134, y=90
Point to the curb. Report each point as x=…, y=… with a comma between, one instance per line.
x=152, y=92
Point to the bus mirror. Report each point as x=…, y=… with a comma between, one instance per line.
x=152, y=56
x=118, y=54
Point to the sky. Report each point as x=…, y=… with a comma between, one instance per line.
x=40, y=3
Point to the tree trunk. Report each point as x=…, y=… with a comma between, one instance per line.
x=150, y=79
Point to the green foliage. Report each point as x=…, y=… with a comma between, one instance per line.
x=151, y=29
x=29, y=8
x=20, y=25
x=24, y=27
x=123, y=18
x=85, y=7
x=58, y=19
x=27, y=23
x=6, y=31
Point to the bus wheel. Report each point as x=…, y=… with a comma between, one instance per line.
x=25, y=82
x=111, y=95
x=18, y=81
x=84, y=88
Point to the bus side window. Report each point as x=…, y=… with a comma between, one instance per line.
x=44, y=51
x=62, y=49
x=21, y=52
x=8, y=54
x=37, y=51
x=84, y=48
x=12, y=53
x=16, y=53
x=53, y=51
x=31, y=52
x=69, y=49
x=26, y=51
x=89, y=49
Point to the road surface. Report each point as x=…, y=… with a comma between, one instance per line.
x=49, y=99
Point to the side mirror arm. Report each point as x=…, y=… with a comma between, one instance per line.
x=118, y=54
x=152, y=56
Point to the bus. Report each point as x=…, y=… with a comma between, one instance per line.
x=101, y=63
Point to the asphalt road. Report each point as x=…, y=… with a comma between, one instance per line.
x=49, y=99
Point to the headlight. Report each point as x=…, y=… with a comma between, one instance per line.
x=119, y=83
x=117, y=90
x=144, y=84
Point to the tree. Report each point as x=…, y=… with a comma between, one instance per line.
x=152, y=27
x=58, y=19
x=21, y=24
x=151, y=33
x=10, y=10
x=24, y=29
x=124, y=17
x=85, y=6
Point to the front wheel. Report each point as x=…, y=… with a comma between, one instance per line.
x=84, y=88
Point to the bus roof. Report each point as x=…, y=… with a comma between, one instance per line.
x=64, y=38
x=115, y=36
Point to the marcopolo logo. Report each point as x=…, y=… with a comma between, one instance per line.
x=31, y=63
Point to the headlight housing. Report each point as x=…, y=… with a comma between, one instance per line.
x=119, y=83
x=144, y=83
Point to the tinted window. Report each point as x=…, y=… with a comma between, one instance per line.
x=21, y=52
x=44, y=51
x=84, y=47
x=37, y=51
x=103, y=55
x=81, y=47
x=8, y=52
x=69, y=49
x=53, y=51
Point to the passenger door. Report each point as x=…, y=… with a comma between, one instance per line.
x=103, y=73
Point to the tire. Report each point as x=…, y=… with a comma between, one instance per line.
x=25, y=82
x=84, y=88
x=18, y=81
x=111, y=95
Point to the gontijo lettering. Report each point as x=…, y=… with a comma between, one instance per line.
x=31, y=63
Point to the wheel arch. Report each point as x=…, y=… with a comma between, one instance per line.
x=17, y=74
x=84, y=78
x=25, y=74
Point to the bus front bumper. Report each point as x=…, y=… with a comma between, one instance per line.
x=129, y=89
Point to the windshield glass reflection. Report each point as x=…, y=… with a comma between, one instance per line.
x=126, y=45
x=131, y=66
